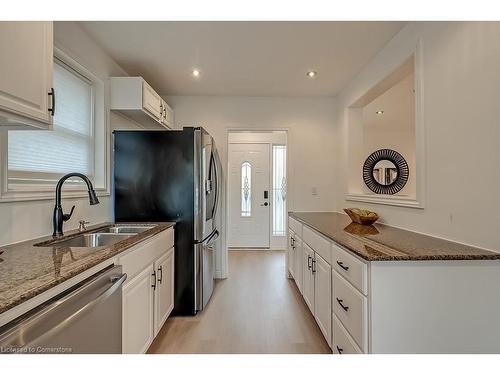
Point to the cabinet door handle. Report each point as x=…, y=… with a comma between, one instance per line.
x=341, y=264
x=339, y=301
x=309, y=262
x=52, y=95
x=314, y=266
x=164, y=113
x=154, y=279
x=340, y=350
x=160, y=272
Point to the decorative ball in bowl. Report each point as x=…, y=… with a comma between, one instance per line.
x=363, y=217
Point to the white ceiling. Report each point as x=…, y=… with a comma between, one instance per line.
x=243, y=58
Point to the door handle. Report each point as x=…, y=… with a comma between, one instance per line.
x=153, y=275
x=309, y=262
x=340, y=350
x=313, y=265
x=52, y=94
x=265, y=204
x=339, y=301
x=341, y=264
x=160, y=272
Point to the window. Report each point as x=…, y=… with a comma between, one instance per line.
x=279, y=190
x=246, y=189
x=31, y=161
x=43, y=156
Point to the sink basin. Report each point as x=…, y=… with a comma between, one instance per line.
x=90, y=240
x=133, y=229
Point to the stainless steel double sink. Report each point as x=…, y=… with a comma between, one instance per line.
x=100, y=237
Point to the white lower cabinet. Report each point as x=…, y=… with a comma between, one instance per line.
x=317, y=289
x=323, y=296
x=308, y=277
x=351, y=308
x=148, y=294
x=399, y=307
x=291, y=253
x=164, y=303
x=343, y=342
x=298, y=271
x=138, y=321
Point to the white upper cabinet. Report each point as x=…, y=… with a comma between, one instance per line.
x=168, y=116
x=26, y=62
x=151, y=102
x=134, y=97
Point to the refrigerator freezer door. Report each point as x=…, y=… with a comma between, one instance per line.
x=206, y=253
x=208, y=273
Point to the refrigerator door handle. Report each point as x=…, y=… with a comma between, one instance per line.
x=213, y=238
x=217, y=182
x=208, y=238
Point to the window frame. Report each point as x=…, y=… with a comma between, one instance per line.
x=32, y=188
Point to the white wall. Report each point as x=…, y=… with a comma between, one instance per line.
x=25, y=220
x=309, y=122
x=461, y=93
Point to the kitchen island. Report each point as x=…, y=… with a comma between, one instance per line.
x=380, y=289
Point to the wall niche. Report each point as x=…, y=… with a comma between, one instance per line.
x=383, y=120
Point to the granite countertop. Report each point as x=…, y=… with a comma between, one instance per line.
x=381, y=242
x=27, y=270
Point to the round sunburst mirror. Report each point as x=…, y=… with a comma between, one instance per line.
x=385, y=171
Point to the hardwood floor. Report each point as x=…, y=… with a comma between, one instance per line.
x=256, y=310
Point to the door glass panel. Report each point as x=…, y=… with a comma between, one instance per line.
x=246, y=189
x=279, y=190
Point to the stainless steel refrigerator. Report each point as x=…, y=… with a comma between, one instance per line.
x=173, y=176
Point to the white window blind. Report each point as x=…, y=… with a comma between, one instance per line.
x=69, y=147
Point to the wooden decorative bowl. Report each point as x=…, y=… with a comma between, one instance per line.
x=362, y=217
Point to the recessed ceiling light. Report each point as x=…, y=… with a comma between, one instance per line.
x=311, y=74
x=196, y=73
x=379, y=112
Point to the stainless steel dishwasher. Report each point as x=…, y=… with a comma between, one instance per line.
x=87, y=318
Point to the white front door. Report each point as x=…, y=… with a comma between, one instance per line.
x=249, y=195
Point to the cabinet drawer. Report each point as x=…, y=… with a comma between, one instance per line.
x=343, y=343
x=295, y=225
x=351, y=268
x=145, y=253
x=350, y=307
x=318, y=243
